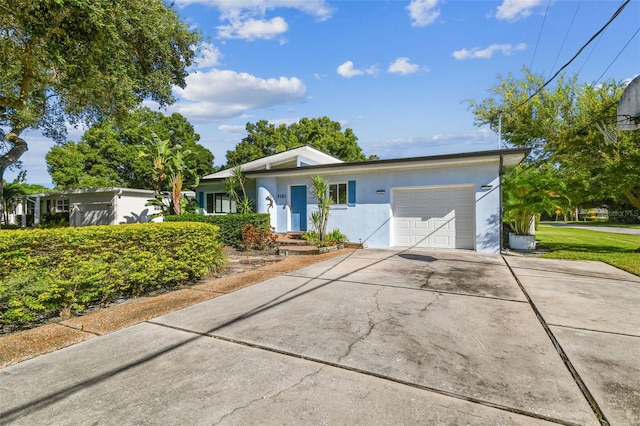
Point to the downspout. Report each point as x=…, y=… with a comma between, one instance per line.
x=500, y=202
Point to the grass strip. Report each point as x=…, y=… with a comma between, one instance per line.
x=619, y=250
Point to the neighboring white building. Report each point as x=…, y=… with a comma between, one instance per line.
x=443, y=201
x=101, y=206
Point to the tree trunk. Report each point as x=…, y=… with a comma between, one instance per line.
x=18, y=147
x=633, y=197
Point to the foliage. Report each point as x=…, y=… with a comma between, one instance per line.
x=331, y=239
x=235, y=186
x=14, y=190
x=230, y=225
x=320, y=217
x=560, y=125
x=55, y=220
x=80, y=62
x=619, y=250
x=257, y=238
x=528, y=191
x=108, y=153
x=45, y=272
x=264, y=139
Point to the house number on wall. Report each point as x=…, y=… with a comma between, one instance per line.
x=280, y=196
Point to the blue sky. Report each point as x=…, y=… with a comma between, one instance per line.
x=399, y=73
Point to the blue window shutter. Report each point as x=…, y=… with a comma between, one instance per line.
x=201, y=200
x=351, y=193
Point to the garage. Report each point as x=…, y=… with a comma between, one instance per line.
x=436, y=217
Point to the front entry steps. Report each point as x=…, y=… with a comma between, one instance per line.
x=292, y=243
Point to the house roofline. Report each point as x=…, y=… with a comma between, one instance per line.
x=516, y=154
x=92, y=191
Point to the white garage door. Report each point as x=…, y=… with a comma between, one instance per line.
x=434, y=217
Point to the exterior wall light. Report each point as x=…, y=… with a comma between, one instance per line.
x=380, y=191
x=486, y=187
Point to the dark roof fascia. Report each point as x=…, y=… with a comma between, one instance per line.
x=498, y=153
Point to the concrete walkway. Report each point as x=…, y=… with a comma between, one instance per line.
x=374, y=337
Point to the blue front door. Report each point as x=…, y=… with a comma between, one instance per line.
x=299, y=208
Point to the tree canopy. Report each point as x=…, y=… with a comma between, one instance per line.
x=109, y=152
x=266, y=139
x=561, y=125
x=72, y=61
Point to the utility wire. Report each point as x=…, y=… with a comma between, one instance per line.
x=618, y=55
x=544, y=19
x=593, y=37
x=566, y=36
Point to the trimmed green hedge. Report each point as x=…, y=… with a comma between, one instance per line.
x=231, y=225
x=45, y=272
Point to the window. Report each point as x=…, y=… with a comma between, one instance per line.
x=220, y=203
x=338, y=193
x=62, y=205
x=57, y=206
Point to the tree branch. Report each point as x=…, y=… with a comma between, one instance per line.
x=19, y=147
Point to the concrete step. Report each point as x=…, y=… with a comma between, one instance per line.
x=291, y=250
x=287, y=240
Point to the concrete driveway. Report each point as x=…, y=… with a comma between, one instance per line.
x=375, y=337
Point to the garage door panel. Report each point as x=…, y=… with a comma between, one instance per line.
x=438, y=218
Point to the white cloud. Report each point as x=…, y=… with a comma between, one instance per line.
x=475, y=140
x=317, y=8
x=477, y=53
x=209, y=56
x=423, y=12
x=512, y=10
x=348, y=70
x=219, y=94
x=247, y=18
x=403, y=66
x=234, y=129
x=252, y=29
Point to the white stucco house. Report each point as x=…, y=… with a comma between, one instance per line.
x=101, y=206
x=441, y=202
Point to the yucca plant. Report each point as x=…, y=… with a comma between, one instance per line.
x=320, y=217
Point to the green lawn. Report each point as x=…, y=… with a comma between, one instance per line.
x=581, y=244
x=602, y=223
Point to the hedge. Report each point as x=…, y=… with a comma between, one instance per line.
x=231, y=225
x=45, y=272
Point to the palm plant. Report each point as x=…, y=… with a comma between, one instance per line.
x=529, y=191
x=320, y=217
x=235, y=186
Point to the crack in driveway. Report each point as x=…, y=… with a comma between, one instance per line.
x=371, y=325
x=275, y=395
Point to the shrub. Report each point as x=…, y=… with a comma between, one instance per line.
x=231, y=225
x=331, y=239
x=257, y=238
x=45, y=272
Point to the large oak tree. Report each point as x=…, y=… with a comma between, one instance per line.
x=266, y=139
x=79, y=61
x=109, y=152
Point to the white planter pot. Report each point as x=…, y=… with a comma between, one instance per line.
x=522, y=242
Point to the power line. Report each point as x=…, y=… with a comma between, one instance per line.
x=544, y=19
x=593, y=37
x=616, y=58
x=566, y=36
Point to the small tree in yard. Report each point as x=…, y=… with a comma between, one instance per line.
x=235, y=186
x=168, y=163
x=320, y=217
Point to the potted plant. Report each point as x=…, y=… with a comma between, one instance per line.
x=528, y=191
